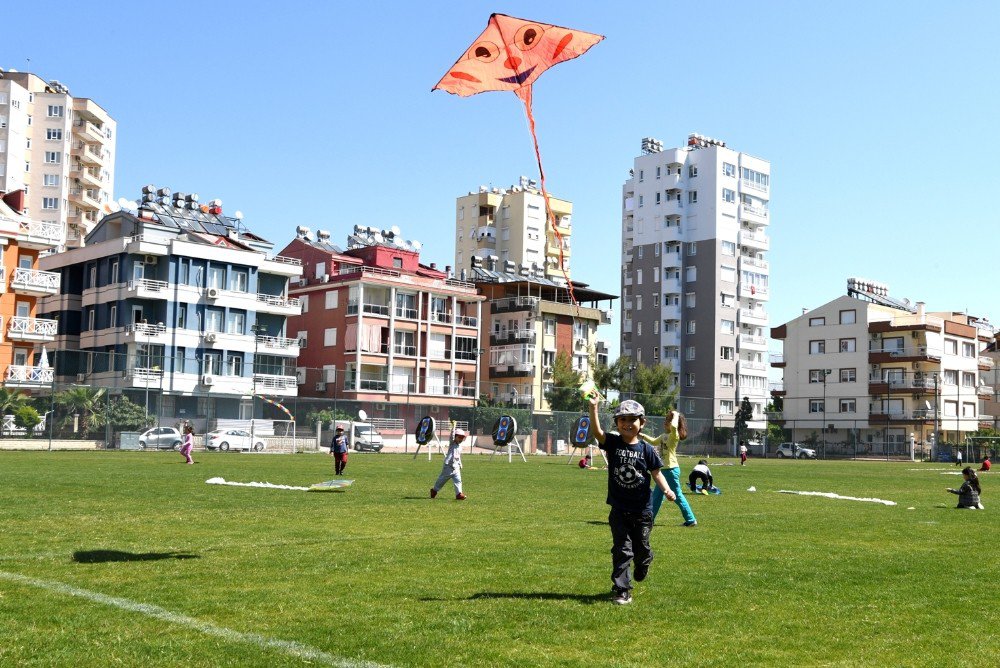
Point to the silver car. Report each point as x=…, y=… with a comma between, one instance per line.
x=160, y=438
x=795, y=450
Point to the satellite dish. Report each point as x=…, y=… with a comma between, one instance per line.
x=123, y=203
x=238, y=215
x=362, y=415
x=395, y=230
x=416, y=245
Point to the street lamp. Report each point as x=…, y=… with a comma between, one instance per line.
x=631, y=380
x=826, y=372
x=258, y=330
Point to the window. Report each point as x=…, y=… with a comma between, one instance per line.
x=848, y=345
x=638, y=302
x=689, y=353
x=951, y=409
x=727, y=300
x=656, y=250
x=848, y=317
x=816, y=406
x=113, y=316
x=816, y=375
x=638, y=273
x=968, y=409
x=50, y=203
x=53, y=133
x=550, y=326
x=727, y=274
x=236, y=322
x=693, y=197
x=53, y=158
x=55, y=111
x=968, y=349
x=817, y=322
x=690, y=274
x=640, y=200
x=692, y=248
x=968, y=379
x=755, y=180
x=728, y=327
x=213, y=320
x=692, y=171
x=689, y=379
x=848, y=406
x=114, y=272
x=727, y=353
x=241, y=281
x=641, y=172
x=657, y=171
x=50, y=180
x=817, y=347
x=304, y=301
x=656, y=327
x=728, y=195
x=951, y=346
x=330, y=336
x=690, y=326
x=330, y=299
x=729, y=248
x=690, y=406
x=726, y=407
x=638, y=328
x=848, y=375
x=726, y=380
x=657, y=196
x=728, y=169
x=234, y=364
x=215, y=277
x=950, y=377
x=656, y=272
x=689, y=300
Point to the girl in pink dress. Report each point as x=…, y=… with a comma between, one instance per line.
x=188, y=444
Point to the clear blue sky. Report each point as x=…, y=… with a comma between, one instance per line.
x=879, y=120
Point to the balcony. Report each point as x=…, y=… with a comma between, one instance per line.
x=512, y=370
x=89, y=130
x=145, y=377
x=514, y=304
x=407, y=313
x=672, y=207
x=145, y=288
x=278, y=344
x=31, y=329
x=756, y=240
x=918, y=415
x=84, y=198
x=752, y=341
x=39, y=235
x=467, y=321
x=761, y=292
x=778, y=360
x=985, y=391
x=986, y=363
x=882, y=384
x=368, y=308
x=366, y=384
x=580, y=343
x=28, y=376
x=289, y=267
x=278, y=304
x=757, y=316
x=404, y=350
x=35, y=282
x=513, y=336
x=752, y=365
x=265, y=383
x=747, y=262
x=878, y=355
x=755, y=214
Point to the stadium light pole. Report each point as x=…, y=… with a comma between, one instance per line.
x=826, y=372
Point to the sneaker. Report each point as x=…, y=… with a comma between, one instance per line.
x=460, y=497
x=640, y=572
x=705, y=492
x=434, y=492
x=622, y=597
x=692, y=523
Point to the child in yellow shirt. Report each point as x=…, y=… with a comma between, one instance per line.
x=676, y=426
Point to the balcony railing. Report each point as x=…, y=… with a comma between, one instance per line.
x=513, y=336
x=985, y=391
x=278, y=300
x=286, y=260
x=145, y=329
x=270, y=382
x=29, y=374
x=753, y=340
x=145, y=374
x=408, y=351
x=33, y=278
x=148, y=285
x=372, y=384
x=369, y=271
x=407, y=313
x=777, y=358
x=49, y=231
x=441, y=316
x=20, y=326
x=986, y=363
x=276, y=342
x=896, y=383
x=755, y=313
x=467, y=321
x=371, y=309
x=514, y=304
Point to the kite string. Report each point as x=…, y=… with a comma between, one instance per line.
x=525, y=94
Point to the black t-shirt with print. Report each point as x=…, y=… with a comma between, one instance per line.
x=629, y=473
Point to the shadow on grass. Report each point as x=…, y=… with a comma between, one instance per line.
x=104, y=556
x=530, y=595
x=600, y=523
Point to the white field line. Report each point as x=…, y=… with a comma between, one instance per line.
x=831, y=495
x=223, y=481
x=289, y=647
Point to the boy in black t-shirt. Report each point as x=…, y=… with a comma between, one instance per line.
x=632, y=464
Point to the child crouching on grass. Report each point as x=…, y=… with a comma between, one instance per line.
x=968, y=493
x=632, y=464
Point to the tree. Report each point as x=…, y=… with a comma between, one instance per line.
x=563, y=396
x=87, y=402
x=123, y=415
x=326, y=416
x=611, y=377
x=743, y=416
x=654, y=387
x=27, y=418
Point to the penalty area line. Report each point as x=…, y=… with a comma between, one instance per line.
x=289, y=647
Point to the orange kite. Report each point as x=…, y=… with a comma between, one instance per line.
x=510, y=55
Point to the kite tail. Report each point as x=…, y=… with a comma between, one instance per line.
x=279, y=405
x=525, y=94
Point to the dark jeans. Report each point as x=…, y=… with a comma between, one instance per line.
x=706, y=480
x=630, y=538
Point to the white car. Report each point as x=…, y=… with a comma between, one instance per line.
x=795, y=450
x=233, y=439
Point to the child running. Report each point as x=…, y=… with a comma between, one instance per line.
x=676, y=425
x=968, y=493
x=632, y=464
x=452, y=467
x=188, y=444
x=338, y=450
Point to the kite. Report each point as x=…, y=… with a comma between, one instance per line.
x=278, y=405
x=510, y=55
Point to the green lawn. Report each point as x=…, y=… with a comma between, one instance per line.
x=518, y=575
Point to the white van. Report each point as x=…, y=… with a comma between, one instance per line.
x=361, y=436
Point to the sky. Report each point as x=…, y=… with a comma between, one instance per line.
x=879, y=120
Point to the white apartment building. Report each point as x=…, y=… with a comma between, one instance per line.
x=868, y=370
x=694, y=274
x=60, y=149
x=510, y=224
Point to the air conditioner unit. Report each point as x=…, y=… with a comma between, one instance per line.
x=320, y=387
x=874, y=337
x=326, y=278
x=547, y=369
x=81, y=377
x=210, y=337
x=207, y=380
x=149, y=259
x=302, y=342
x=212, y=293
x=916, y=365
x=874, y=367
x=303, y=282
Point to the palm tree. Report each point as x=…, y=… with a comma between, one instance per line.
x=11, y=401
x=85, y=402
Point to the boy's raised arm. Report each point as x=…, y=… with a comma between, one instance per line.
x=595, y=421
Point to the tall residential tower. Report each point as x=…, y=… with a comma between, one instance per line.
x=694, y=277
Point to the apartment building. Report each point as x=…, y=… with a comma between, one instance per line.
x=989, y=409
x=695, y=281
x=59, y=149
x=179, y=307
x=871, y=370
x=378, y=326
x=511, y=224
x=24, y=362
x=531, y=320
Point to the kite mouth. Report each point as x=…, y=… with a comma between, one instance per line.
x=519, y=78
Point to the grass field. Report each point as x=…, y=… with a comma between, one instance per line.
x=129, y=559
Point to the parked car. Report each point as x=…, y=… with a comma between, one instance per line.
x=795, y=450
x=361, y=436
x=161, y=438
x=233, y=439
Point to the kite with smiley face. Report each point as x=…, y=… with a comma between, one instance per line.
x=510, y=55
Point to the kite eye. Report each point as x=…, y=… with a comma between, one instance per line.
x=485, y=52
x=528, y=36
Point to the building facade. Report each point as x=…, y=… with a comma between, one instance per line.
x=511, y=224
x=60, y=149
x=22, y=285
x=178, y=307
x=868, y=370
x=695, y=279
x=378, y=326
